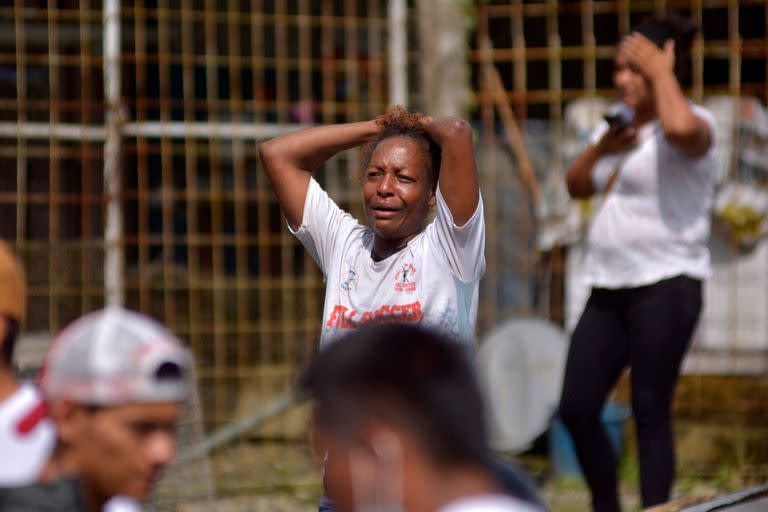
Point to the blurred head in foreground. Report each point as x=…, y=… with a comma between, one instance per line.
x=399, y=416
x=114, y=382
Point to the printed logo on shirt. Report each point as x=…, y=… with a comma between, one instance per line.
x=349, y=281
x=405, y=278
x=344, y=318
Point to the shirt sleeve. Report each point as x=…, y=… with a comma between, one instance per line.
x=322, y=225
x=463, y=247
x=708, y=118
x=605, y=166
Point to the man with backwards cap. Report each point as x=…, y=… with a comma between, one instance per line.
x=26, y=438
x=113, y=382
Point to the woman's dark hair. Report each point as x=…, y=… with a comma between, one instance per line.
x=398, y=122
x=11, y=333
x=660, y=28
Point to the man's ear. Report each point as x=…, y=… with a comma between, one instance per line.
x=381, y=440
x=432, y=198
x=69, y=418
x=387, y=446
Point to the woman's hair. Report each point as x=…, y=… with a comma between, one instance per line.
x=660, y=28
x=398, y=122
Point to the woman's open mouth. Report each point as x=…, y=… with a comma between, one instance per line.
x=384, y=212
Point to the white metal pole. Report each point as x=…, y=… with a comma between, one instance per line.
x=398, y=53
x=114, y=292
x=202, y=130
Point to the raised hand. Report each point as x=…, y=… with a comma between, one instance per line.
x=647, y=58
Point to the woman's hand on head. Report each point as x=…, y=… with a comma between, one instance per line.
x=680, y=125
x=458, y=170
x=648, y=58
x=445, y=129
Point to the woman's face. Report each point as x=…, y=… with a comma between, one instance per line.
x=633, y=88
x=397, y=191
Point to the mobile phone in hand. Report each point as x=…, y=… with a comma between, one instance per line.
x=620, y=118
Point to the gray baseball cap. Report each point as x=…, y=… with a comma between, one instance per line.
x=115, y=356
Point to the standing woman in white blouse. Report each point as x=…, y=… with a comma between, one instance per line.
x=646, y=257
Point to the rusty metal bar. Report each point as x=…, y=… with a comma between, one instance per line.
x=590, y=47
x=54, y=83
x=328, y=59
x=166, y=162
x=519, y=59
x=87, y=190
x=289, y=294
x=142, y=149
x=376, y=75
x=555, y=85
x=194, y=307
x=21, y=115
x=240, y=200
x=262, y=206
x=351, y=59
x=488, y=140
x=697, y=54
x=215, y=216
x=256, y=62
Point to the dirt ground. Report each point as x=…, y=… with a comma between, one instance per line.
x=283, y=477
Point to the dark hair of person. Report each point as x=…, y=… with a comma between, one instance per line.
x=660, y=28
x=11, y=334
x=405, y=376
x=398, y=122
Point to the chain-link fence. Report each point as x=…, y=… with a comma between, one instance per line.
x=129, y=170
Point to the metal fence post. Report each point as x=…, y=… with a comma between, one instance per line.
x=114, y=291
x=398, y=53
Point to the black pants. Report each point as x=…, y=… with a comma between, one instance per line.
x=647, y=328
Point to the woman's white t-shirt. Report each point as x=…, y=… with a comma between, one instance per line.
x=654, y=222
x=432, y=281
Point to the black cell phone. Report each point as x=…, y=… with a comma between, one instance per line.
x=620, y=118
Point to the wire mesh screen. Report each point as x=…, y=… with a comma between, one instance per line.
x=51, y=180
x=201, y=82
x=205, y=244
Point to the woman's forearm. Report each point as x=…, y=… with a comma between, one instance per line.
x=308, y=149
x=289, y=160
x=681, y=127
x=458, y=170
x=579, y=173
